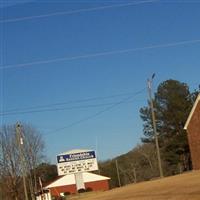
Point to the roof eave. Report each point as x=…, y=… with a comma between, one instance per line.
x=191, y=112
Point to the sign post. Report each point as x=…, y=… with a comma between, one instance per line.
x=79, y=181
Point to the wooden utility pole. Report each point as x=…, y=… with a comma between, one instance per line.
x=22, y=159
x=149, y=83
x=135, y=175
x=118, y=176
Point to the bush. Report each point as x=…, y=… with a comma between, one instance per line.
x=61, y=198
x=82, y=190
x=89, y=189
x=66, y=193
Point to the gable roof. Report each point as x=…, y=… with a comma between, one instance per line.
x=73, y=151
x=192, y=112
x=70, y=179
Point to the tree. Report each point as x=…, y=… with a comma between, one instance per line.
x=10, y=162
x=173, y=102
x=108, y=168
x=46, y=172
x=33, y=146
x=137, y=165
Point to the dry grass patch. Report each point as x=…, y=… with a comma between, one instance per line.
x=180, y=187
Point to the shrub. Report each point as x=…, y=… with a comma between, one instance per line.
x=89, y=189
x=82, y=190
x=66, y=193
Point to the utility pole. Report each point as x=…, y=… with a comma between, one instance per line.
x=118, y=176
x=149, y=83
x=96, y=152
x=41, y=187
x=22, y=160
x=135, y=175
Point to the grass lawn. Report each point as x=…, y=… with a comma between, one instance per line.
x=179, y=187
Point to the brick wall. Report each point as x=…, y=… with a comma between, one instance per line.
x=66, y=188
x=95, y=186
x=193, y=130
x=98, y=185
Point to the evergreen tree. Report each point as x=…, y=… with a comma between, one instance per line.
x=173, y=102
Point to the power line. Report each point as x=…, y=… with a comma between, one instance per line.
x=185, y=42
x=13, y=111
x=96, y=114
x=74, y=11
x=57, y=109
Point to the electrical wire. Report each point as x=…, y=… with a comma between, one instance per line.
x=10, y=111
x=57, y=109
x=96, y=114
x=185, y=42
x=74, y=11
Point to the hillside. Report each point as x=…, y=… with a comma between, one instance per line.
x=179, y=187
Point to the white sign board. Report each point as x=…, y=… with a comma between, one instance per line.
x=73, y=163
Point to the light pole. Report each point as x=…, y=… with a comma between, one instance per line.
x=149, y=83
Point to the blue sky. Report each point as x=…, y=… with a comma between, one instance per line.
x=111, y=58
